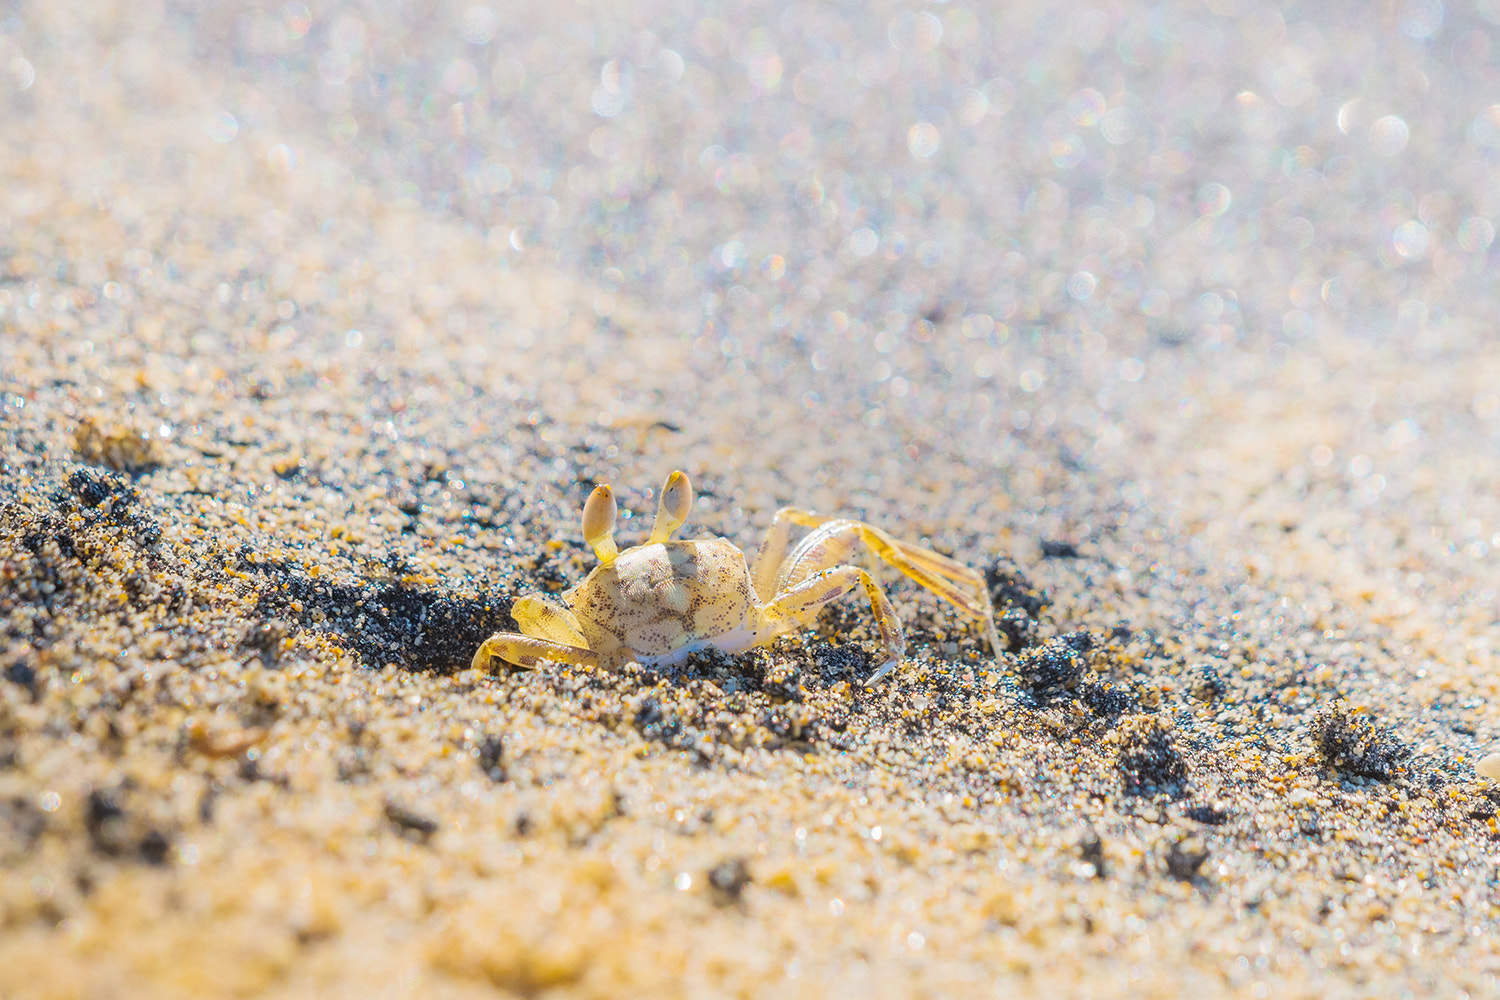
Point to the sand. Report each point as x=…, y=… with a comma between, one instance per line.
x=318, y=326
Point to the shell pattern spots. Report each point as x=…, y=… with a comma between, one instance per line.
x=658, y=598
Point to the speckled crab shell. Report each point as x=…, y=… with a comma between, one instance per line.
x=664, y=598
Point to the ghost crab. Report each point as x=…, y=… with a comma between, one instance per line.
x=659, y=602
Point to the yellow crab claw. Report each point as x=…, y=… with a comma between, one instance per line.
x=599, y=524
x=676, y=502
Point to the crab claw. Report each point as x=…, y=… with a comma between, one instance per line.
x=599, y=524
x=676, y=503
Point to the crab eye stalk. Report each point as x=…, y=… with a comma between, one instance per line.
x=676, y=502
x=599, y=524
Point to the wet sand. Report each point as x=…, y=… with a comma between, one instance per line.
x=318, y=326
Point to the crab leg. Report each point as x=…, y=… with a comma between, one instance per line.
x=524, y=651
x=551, y=633
x=772, y=551
x=799, y=605
x=834, y=540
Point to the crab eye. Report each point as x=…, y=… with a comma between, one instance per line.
x=599, y=514
x=676, y=504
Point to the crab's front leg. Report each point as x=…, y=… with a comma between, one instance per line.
x=551, y=633
x=836, y=540
x=800, y=605
x=772, y=551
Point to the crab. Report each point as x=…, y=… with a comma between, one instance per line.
x=660, y=602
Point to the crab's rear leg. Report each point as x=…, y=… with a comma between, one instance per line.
x=835, y=540
x=550, y=630
x=800, y=604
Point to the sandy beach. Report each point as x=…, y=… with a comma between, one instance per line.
x=318, y=325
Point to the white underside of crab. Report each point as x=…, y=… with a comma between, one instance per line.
x=735, y=641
